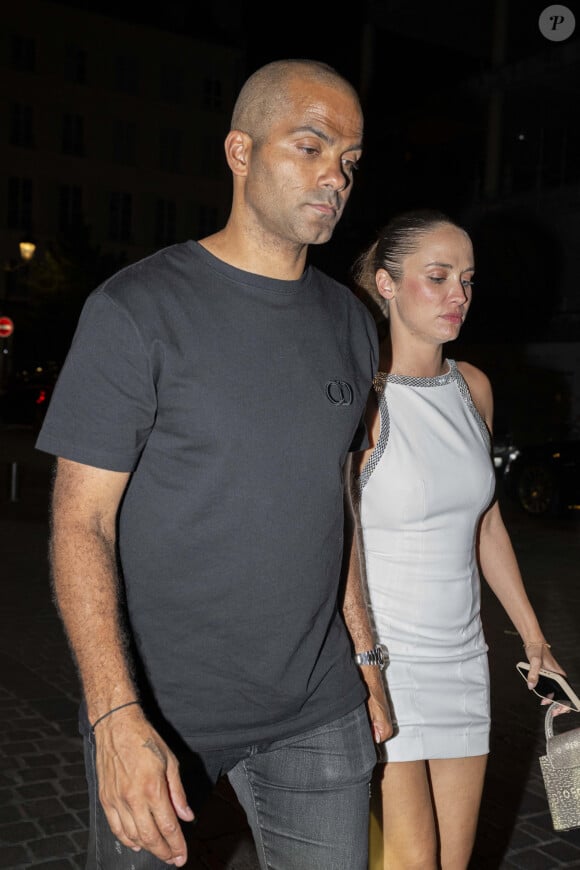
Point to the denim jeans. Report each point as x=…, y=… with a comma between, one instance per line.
x=306, y=799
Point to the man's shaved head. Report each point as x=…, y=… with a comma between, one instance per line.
x=266, y=92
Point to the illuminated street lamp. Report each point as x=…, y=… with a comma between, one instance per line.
x=27, y=249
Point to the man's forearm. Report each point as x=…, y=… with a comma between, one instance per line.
x=355, y=607
x=86, y=587
x=86, y=592
x=358, y=620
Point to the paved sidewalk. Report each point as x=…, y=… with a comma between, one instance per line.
x=43, y=802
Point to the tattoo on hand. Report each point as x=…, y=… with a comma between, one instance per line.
x=150, y=744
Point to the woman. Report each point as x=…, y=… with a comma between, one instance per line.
x=424, y=497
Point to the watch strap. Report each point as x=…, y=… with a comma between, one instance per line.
x=374, y=657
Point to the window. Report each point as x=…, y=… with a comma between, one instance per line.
x=126, y=75
x=21, y=132
x=70, y=208
x=170, y=149
x=23, y=53
x=75, y=64
x=172, y=83
x=124, y=142
x=19, y=214
x=73, y=135
x=120, y=208
x=165, y=222
x=212, y=96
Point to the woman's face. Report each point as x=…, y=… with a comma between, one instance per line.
x=432, y=298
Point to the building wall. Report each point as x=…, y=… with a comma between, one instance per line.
x=139, y=83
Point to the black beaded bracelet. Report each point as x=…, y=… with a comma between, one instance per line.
x=114, y=710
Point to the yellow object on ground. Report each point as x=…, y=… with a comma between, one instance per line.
x=375, y=840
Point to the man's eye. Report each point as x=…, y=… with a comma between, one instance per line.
x=350, y=165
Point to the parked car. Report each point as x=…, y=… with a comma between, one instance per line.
x=544, y=478
x=504, y=451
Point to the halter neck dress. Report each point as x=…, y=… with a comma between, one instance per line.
x=419, y=498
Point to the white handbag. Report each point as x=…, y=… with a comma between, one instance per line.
x=561, y=772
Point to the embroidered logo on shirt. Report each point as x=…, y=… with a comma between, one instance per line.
x=339, y=393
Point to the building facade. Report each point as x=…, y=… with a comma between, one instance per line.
x=109, y=126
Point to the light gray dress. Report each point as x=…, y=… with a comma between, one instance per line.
x=421, y=495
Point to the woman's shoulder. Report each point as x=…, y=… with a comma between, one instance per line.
x=473, y=375
x=479, y=386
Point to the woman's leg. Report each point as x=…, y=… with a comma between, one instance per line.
x=409, y=833
x=457, y=785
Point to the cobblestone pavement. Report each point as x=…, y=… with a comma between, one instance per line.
x=43, y=801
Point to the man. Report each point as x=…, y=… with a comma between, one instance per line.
x=201, y=422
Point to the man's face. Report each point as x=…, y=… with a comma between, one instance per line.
x=300, y=177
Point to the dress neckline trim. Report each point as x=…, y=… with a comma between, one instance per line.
x=381, y=378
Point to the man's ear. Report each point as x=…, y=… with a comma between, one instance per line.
x=385, y=284
x=238, y=146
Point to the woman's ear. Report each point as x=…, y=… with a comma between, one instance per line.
x=238, y=146
x=385, y=284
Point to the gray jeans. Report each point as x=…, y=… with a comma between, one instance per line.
x=306, y=799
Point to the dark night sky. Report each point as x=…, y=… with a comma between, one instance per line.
x=415, y=37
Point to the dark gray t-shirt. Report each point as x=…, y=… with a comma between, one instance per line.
x=233, y=399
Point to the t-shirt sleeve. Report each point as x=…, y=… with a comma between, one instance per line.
x=360, y=439
x=104, y=402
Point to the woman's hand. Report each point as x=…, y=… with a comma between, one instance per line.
x=540, y=656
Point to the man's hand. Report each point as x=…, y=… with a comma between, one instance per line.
x=140, y=788
x=377, y=703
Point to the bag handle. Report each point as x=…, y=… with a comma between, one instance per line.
x=549, y=721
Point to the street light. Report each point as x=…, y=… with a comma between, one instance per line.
x=27, y=249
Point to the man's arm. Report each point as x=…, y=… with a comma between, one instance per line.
x=138, y=776
x=357, y=619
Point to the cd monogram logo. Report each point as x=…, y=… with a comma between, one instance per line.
x=339, y=393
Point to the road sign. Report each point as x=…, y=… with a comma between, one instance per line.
x=6, y=327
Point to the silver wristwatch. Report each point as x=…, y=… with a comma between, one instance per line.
x=375, y=657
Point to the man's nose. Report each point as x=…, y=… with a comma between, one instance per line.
x=335, y=177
